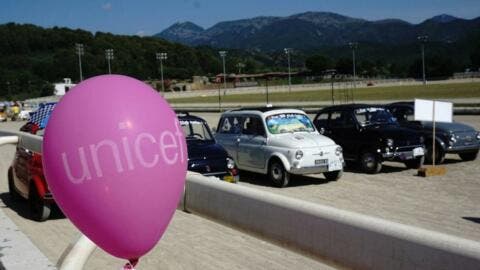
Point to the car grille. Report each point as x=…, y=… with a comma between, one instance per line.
x=408, y=144
x=465, y=138
x=208, y=166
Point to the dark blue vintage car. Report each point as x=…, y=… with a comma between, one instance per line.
x=454, y=138
x=205, y=155
x=369, y=135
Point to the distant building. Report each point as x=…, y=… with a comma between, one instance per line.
x=62, y=88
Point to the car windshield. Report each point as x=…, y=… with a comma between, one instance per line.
x=195, y=130
x=374, y=115
x=289, y=123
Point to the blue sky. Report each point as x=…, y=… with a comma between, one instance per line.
x=149, y=16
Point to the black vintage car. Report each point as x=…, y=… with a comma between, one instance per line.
x=205, y=155
x=369, y=135
x=455, y=138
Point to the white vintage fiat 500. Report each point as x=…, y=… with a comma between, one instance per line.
x=278, y=142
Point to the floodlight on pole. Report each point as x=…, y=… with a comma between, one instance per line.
x=161, y=56
x=109, y=56
x=353, y=46
x=423, y=40
x=287, y=52
x=80, y=51
x=223, y=54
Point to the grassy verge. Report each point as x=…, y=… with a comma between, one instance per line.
x=434, y=91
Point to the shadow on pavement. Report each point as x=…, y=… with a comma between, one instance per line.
x=386, y=168
x=295, y=180
x=472, y=219
x=21, y=207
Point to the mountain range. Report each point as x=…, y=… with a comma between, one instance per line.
x=311, y=30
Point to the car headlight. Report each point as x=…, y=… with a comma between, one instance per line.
x=389, y=142
x=338, y=150
x=453, y=139
x=230, y=163
x=478, y=136
x=299, y=154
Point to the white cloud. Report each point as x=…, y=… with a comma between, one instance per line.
x=141, y=33
x=107, y=6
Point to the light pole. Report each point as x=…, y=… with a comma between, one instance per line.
x=223, y=54
x=332, y=73
x=109, y=56
x=353, y=46
x=423, y=40
x=80, y=51
x=162, y=56
x=287, y=52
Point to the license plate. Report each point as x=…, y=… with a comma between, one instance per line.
x=321, y=162
x=334, y=165
x=418, y=152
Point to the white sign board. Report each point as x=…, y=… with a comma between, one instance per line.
x=424, y=110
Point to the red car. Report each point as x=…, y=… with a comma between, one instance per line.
x=25, y=175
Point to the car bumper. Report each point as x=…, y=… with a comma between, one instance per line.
x=402, y=155
x=462, y=149
x=332, y=165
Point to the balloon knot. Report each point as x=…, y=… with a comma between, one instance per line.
x=130, y=265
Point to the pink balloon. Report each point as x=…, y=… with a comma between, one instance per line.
x=115, y=159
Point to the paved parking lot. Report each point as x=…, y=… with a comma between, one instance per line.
x=449, y=203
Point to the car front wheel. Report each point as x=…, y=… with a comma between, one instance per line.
x=469, y=156
x=277, y=174
x=39, y=209
x=333, y=176
x=371, y=163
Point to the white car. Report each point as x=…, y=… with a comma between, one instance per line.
x=278, y=142
x=24, y=114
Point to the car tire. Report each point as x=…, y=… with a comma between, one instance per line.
x=277, y=174
x=11, y=186
x=371, y=163
x=39, y=210
x=439, y=154
x=415, y=163
x=468, y=156
x=333, y=176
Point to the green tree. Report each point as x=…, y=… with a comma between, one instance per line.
x=318, y=63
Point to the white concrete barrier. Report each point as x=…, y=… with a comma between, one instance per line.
x=347, y=238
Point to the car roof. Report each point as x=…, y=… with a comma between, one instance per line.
x=263, y=111
x=409, y=103
x=350, y=106
x=186, y=116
